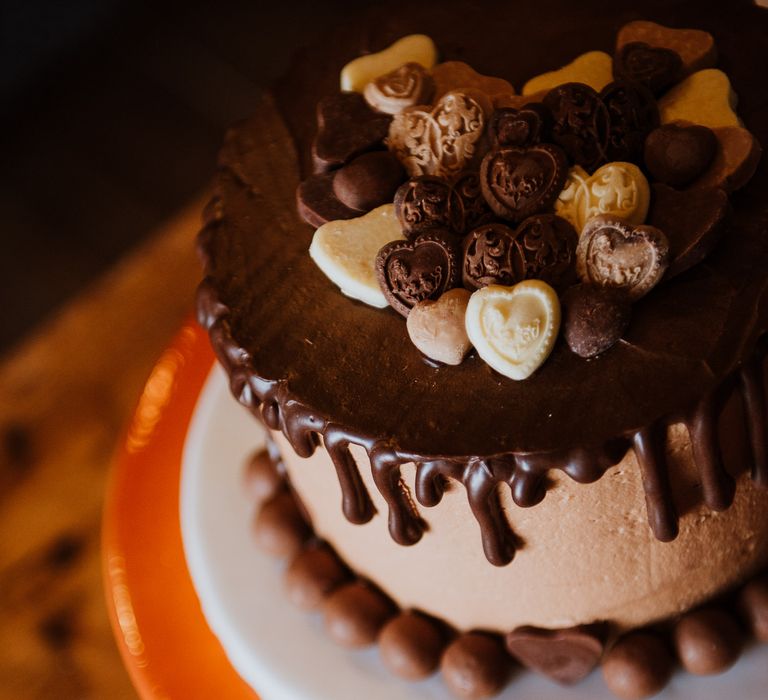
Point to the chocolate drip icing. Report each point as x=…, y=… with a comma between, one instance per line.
x=649, y=450
x=753, y=393
x=356, y=502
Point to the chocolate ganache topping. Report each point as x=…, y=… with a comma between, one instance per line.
x=315, y=364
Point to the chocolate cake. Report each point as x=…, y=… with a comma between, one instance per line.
x=612, y=486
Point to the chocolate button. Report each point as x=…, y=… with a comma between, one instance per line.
x=580, y=123
x=655, y=67
x=519, y=182
x=412, y=271
x=632, y=115
x=594, y=318
x=676, y=154
x=427, y=202
x=368, y=181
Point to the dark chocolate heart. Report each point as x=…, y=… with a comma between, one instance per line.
x=368, y=181
x=427, y=202
x=346, y=127
x=475, y=209
x=412, y=271
x=317, y=203
x=692, y=221
x=653, y=66
x=548, y=243
x=519, y=182
x=632, y=115
x=520, y=128
x=566, y=655
x=492, y=255
x=579, y=123
x=594, y=318
x=676, y=154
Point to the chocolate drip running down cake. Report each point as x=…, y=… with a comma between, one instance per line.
x=612, y=473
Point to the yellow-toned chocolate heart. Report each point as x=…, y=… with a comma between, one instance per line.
x=594, y=68
x=346, y=252
x=514, y=328
x=705, y=98
x=414, y=48
x=617, y=189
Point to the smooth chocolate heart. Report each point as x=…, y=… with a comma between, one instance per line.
x=346, y=127
x=579, y=123
x=519, y=182
x=412, y=271
x=594, y=318
x=655, y=67
x=520, y=128
x=318, y=204
x=632, y=115
x=368, y=181
x=492, y=255
x=566, y=655
x=736, y=159
x=677, y=154
x=692, y=220
x=612, y=253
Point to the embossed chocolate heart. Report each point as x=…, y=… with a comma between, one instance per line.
x=617, y=189
x=676, y=154
x=441, y=141
x=406, y=86
x=579, y=123
x=491, y=255
x=411, y=271
x=517, y=128
x=474, y=207
x=632, y=115
x=514, y=329
x=437, y=327
x=612, y=253
x=519, y=182
x=346, y=127
x=692, y=220
x=655, y=67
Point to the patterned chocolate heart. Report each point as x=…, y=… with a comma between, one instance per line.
x=518, y=128
x=519, y=182
x=406, y=86
x=612, y=253
x=492, y=255
x=632, y=115
x=579, y=123
x=473, y=205
x=412, y=271
x=442, y=141
x=655, y=67
x=346, y=127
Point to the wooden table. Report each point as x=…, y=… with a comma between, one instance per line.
x=66, y=393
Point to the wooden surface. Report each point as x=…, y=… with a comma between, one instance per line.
x=67, y=393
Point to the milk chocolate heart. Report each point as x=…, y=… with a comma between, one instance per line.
x=406, y=86
x=412, y=271
x=518, y=128
x=579, y=123
x=736, y=159
x=676, y=154
x=692, y=220
x=346, y=127
x=655, y=67
x=441, y=141
x=632, y=115
x=612, y=253
x=437, y=327
x=519, y=182
x=457, y=75
x=594, y=318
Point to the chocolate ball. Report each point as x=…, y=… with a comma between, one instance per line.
x=354, y=614
x=369, y=181
x=708, y=641
x=279, y=527
x=754, y=604
x=639, y=665
x=594, y=318
x=312, y=574
x=262, y=480
x=475, y=666
x=410, y=646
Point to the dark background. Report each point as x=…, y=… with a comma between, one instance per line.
x=112, y=113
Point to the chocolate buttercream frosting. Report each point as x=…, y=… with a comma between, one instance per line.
x=313, y=363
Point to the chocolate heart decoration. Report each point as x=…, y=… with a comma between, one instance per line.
x=519, y=182
x=612, y=253
x=406, y=86
x=692, y=221
x=474, y=207
x=517, y=127
x=492, y=255
x=632, y=115
x=579, y=123
x=412, y=271
x=676, y=154
x=655, y=67
x=346, y=127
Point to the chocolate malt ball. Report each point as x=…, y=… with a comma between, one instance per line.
x=354, y=614
x=475, y=666
x=638, y=666
x=410, y=645
x=279, y=528
x=313, y=573
x=708, y=641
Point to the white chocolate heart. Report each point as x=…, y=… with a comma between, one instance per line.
x=441, y=141
x=514, y=328
x=705, y=98
x=346, y=252
x=617, y=189
x=414, y=48
x=594, y=68
x=437, y=327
